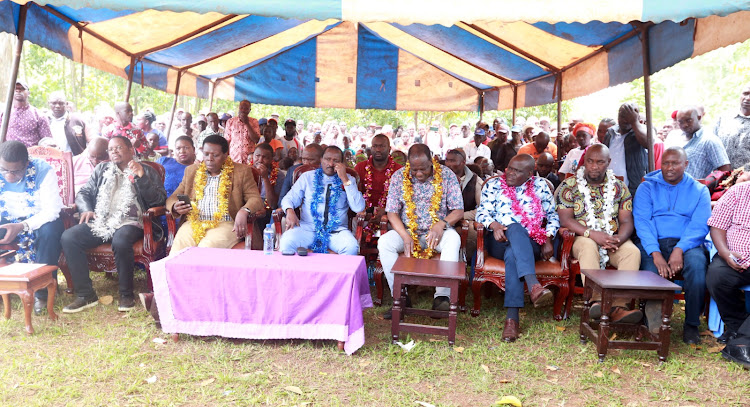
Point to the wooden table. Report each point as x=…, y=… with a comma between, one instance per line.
x=24, y=285
x=431, y=273
x=627, y=285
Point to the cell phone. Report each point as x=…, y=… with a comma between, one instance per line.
x=184, y=198
x=288, y=252
x=433, y=129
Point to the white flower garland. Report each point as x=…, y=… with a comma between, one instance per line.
x=605, y=223
x=106, y=223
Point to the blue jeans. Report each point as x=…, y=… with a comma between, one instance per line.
x=695, y=263
x=519, y=254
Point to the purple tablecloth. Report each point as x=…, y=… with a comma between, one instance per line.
x=246, y=294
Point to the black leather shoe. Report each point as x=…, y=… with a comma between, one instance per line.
x=726, y=337
x=690, y=335
x=39, y=306
x=738, y=354
x=388, y=315
x=441, y=303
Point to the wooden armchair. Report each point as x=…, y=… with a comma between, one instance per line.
x=549, y=273
x=378, y=272
x=102, y=258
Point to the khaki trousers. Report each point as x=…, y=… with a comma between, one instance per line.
x=627, y=257
x=221, y=236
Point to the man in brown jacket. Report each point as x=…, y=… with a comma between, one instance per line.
x=221, y=196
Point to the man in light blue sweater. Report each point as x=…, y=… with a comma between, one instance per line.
x=670, y=210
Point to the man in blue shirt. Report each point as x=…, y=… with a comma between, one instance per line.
x=671, y=211
x=30, y=206
x=175, y=167
x=324, y=208
x=705, y=152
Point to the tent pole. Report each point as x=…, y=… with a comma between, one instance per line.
x=515, y=104
x=212, y=90
x=174, y=105
x=130, y=78
x=14, y=70
x=481, y=106
x=558, y=139
x=647, y=90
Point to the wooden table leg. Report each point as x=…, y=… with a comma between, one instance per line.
x=396, y=311
x=51, y=292
x=27, y=298
x=603, y=339
x=452, y=313
x=340, y=346
x=175, y=337
x=666, y=329
x=6, y=305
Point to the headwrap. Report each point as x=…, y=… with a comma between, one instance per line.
x=587, y=127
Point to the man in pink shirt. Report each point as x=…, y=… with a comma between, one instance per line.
x=84, y=163
x=26, y=124
x=243, y=133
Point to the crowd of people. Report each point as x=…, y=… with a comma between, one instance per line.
x=522, y=181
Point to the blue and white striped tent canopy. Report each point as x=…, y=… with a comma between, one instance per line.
x=386, y=54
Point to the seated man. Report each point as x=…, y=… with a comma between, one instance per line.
x=670, y=212
x=583, y=132
x=30, y=203
x=471, y=191
x=325, y=196
x=152, y=145
x=730, y=232
x=513, y=208
x=184, y=156
x=375, y=176
x=598, y=207
x=84, y=163
x=270, y=187
x=544, y=166
x=111, y=205
x=311, y=155
x=412, y=208
x=221, y=193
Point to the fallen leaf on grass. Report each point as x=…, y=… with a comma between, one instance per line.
x=598, y=374
x=644, y=364
x=159, y=341
x=715, y=349
x=423, y=404
x=485, y=368
x=106, y=300
x=616, y=370
x=553, y=368
x=553, y=380
x=560, y=328
x=323, y=373
x=459, y=349
x=208, y=381
x=135, y=355
x=364, y=363
x=509, y=400
x=613, y=337
x=151, y=380
x=503, y=381
x=707, y=333
x=294, y=389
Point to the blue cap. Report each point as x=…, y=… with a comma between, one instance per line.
x=262, y=121
x=516, y=129
x=479, y=132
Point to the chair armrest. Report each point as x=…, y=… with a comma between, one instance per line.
x=149, y=245
x=566, y=253
x=67, y=213
x=464, y=234
x=479, y=265
x=277, y=215
x=359, y=228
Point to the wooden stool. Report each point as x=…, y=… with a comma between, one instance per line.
x=431, y=273
x=24, y=284
x=627, y=285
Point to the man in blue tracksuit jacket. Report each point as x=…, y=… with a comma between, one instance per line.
x=671, y=210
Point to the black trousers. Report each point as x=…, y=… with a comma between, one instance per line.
x=77, y=239
x=723, y=284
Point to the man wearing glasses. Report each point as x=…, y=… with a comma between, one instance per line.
x=30, y=206
x=111, y=205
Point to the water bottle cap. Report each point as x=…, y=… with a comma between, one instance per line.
x=268, y=225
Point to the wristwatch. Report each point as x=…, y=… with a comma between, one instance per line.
x=348, y=182
x=26, y=227
x=587, y=233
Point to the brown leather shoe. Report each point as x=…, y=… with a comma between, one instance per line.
x=540, y=296
x=620, y=314
x=510, y=330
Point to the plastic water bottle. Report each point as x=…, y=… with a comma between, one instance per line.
x=268, y=234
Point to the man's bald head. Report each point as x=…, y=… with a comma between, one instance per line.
x=520, y=169
x=598, y=149
x=97, y=149
x=677, y=150
x=596, y=162
x=544, y=164
x=689, y=119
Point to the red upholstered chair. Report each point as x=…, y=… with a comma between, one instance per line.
x=102, y=258
x=463, y=286
x=251, y=218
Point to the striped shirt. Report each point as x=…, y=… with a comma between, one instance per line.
x=210, y=202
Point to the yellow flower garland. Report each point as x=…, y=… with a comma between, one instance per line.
x=411, y=207
x=225, y=185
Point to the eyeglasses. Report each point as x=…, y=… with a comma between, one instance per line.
x=5, y=172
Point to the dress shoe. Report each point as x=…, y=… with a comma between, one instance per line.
x=388, y=315
x=726, y=336
x=622, y=315
x=738, y=354
x=39, y=305
x=540, y=296
x=595, y=312
x=690, y=335
x=441, y=303
x=125, y=304
x=146, y=300
x=510, y=330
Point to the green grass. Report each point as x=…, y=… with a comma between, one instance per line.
x=102, y=357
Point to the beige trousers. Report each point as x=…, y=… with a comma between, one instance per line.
x=221, y=236
x=627, y=257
